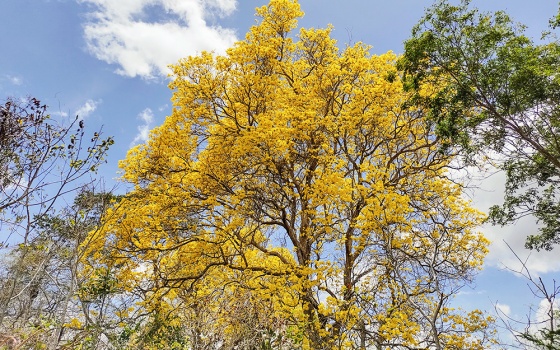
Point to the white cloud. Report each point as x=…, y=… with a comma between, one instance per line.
x=86, y=109
x=61, y=114
x=513, y=236
x=509, y=241
x=542, y=317
x=472, y=292
x=503, y=309
x=147, y=116
x=144, y=36
x=543, y=313
x=15, y=80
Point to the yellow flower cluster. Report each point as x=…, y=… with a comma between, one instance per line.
x=291, y=182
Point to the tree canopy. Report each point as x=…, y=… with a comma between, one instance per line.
x=290, y=176
x=498, y=97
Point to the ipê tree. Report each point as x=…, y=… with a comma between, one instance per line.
x=290, y=170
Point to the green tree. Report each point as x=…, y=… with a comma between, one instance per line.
x=498, y=93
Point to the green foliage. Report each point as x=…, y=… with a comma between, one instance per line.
x=99, y=286
x=499, y=93
x=545, y=339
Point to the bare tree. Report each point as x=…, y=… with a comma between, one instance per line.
x=42, y=162
x=540, y=329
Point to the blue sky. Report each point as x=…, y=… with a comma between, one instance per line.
x=106, y=61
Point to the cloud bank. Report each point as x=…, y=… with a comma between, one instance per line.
x=509, y=241
x=86, y=109
x=142, y=37
x=147, y=116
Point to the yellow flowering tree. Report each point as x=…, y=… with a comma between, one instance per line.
x=290, y=179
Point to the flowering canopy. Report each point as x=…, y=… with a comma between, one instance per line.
x=290, y=172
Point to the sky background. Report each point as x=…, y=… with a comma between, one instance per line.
x=106, y=61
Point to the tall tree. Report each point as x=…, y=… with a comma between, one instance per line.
x=41, y=163
x=290, y=174
x=45, y=302
x=498, y=93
